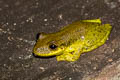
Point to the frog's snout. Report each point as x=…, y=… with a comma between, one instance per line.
x=35, y=51
x=34, y=54
x=42, y=50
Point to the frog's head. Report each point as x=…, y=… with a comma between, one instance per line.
x=47, y=45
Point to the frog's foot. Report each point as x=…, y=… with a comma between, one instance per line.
x=94, y=21
x=68, y=57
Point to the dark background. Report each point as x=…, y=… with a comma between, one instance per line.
x=21, y=20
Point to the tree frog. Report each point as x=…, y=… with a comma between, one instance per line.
x=72, y=40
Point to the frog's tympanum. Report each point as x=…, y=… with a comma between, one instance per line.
x=72, y=40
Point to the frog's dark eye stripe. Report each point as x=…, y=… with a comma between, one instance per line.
x=52, y=46
x=37, y=36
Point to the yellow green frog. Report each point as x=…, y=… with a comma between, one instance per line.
x=72, y=40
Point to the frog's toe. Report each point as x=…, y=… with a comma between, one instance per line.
x=93, y=21
x=59, y=58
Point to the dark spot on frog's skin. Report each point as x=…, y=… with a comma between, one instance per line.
x=72, y=52
x=100, y=31
x=94, y=34
x=88, y=41
x=86, y=48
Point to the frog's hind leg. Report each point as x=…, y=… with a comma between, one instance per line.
x=69, y=56
x=108, y=28
x=93, y=21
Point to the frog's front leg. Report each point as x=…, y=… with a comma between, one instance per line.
x=69, y=56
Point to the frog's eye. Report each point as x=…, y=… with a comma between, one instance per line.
x=53, y=46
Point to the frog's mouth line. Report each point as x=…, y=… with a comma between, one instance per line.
x=47, y=54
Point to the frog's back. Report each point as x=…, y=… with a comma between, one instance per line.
x=88, y=35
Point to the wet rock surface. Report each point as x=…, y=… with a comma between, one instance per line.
x=21, y=20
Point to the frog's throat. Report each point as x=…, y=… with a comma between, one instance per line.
x=56, y=53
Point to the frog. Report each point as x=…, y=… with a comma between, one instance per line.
x=72, y=40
